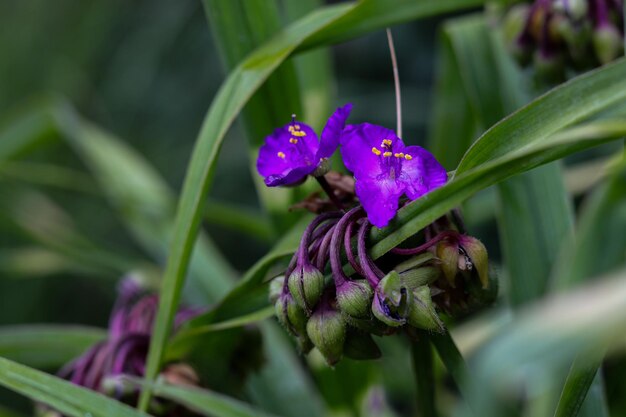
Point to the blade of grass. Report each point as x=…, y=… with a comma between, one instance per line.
x=67, y=398
x=203, y=401
x=423, y=369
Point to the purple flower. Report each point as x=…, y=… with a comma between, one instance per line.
x=385, y=169
x=292, y=152
x=125, y=350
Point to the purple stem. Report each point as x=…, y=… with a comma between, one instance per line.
x=425, y=246
x=335, y=246
x=602, y=13
x=347, y=243
x=322, y=253
x=373, y=277
x=330, y=192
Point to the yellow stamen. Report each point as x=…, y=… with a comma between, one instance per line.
x=399, y=155
x=281, y=155
x=408, y=157
x=387, y=154
x=376, y=151
x=293, y=140
x=386, y=143
x=299, y=133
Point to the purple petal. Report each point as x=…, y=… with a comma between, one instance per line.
x=360, y=145
x=332, y=131
x=284, y=152
x=421, y=174
x=379, y=198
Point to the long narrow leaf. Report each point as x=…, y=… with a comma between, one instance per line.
x=69, y=399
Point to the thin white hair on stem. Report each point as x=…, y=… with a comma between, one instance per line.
x=396, y=80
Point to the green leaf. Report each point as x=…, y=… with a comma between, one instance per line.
x=535, y=214
x=47, y=346
x=68, y=398
x=544, y=338
x=566, y=104
x=600, y=246
x=205, y=402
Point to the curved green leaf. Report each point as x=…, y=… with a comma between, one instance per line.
x=205, y=402
x=68, y=398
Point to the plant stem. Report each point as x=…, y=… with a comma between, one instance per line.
x=423, y=369
x=396, y=81
x=453, y=361
x=330, y=192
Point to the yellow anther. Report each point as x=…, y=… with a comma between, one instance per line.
x=385, y=143
x=297, y=127
x=387, y=154
x=299, y=133
x=399, y=155
x=293, y=140
x=408, y=157
x=281, y=155
x=376, y=151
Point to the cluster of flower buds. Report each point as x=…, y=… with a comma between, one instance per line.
x=105, y=366
x=561, y=35
x=338, y=316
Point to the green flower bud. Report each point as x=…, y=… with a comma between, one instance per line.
x=448, y=254
x=323, y=168
x=422, y=313
x=306, y=284
x=608, y=43
x=327, y=330
x=291, y=315
x=549, y=66
x=477, y=257
x=360, y=346
x=576, y=9
x=390, y=303
x=418, y=277
x=355, y=297
x=276, y=288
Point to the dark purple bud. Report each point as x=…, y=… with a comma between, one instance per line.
x=355, y=298
x=327, y=330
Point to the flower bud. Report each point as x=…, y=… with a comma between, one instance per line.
x=422, y=313
x=355, y=297
x=322, y=168
x=607, y=42
x=117, y=386
x=306, y=284
x=327, y=330
x=418, y=277
x=476, y=257
x=276, y=288
x=360, y=346
x=576, y=9
x=391, y=300
x=550, y=66
x=291, y=315
x=448, y=254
